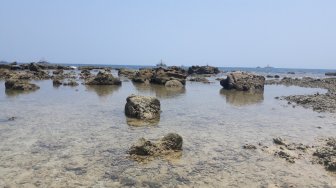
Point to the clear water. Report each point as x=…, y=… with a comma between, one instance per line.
x=78, y=137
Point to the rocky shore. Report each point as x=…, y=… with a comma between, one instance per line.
x=318, y=102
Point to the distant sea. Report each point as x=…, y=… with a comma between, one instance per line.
x=299, y=72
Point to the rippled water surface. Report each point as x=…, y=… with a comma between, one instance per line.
x=78, y=136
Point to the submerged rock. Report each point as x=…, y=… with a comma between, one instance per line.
x=243, y=81
x=20, y=85
x=199, y=79
x=174, y=84
x=142, y=107
x=203, y=70
x=70, y=82
x=103, y=78
x=169, y=143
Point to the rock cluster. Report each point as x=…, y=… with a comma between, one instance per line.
x=243, y=81
x=169, y=143
x=103, y=78
x=160, y=75
x=142, y=107
x=20, y=85
x=203, y=70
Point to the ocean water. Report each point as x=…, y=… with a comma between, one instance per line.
x=79, y=136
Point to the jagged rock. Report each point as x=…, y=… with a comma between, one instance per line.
x=162, y=75
x=174, y=84
x=244, y=82
x=126, y=72
x=203, y=70
x=169, y=143
x=103, y=78
x=142, y=107
x=279, y=141
x=20, y=85
x=143, y=76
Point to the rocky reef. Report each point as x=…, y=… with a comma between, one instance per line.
x=203, y=70
x=243, y=81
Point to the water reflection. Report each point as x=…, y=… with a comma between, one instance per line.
x=160, y=90
x=242, y=98
x=140, y=123
x=14, y=93
x=102, y=90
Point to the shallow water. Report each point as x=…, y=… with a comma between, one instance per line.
x=78, y=136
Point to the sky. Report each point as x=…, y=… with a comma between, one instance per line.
x=235, y=33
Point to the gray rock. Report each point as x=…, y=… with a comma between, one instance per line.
x=243, y=81
x=142, y=107
x=20, y=85
x=103, y=78
x=174, y=84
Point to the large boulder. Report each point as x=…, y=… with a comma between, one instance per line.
x=169, y=143
x=162, y=75
x=103, y=78
x=203, y=70
x=20, y=85
x=243, y=81
x=142, y=107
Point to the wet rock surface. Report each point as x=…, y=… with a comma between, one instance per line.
x=326, y=154
x=318, y=102
x=243, y=81
x=203, y=70
x=103, y=78
x=142, y=107
x=169, y=143
x=20, y=85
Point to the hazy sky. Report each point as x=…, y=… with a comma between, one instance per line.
x=245, y=33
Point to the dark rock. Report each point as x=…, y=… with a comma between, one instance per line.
x=203, y=70
x=290, y=72
x=20, y=85
x=143, y=147
x=143, y=76
x=276, y=76
x=172, y=141
x=249, y=146
x=330, y=73
x=57, y=82
x=283, y=154
x=103, y=78
x=279, y=141
x=243, y=81
x=142, y=107
x=162, y=75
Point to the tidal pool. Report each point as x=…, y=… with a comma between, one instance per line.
x=78, y=137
